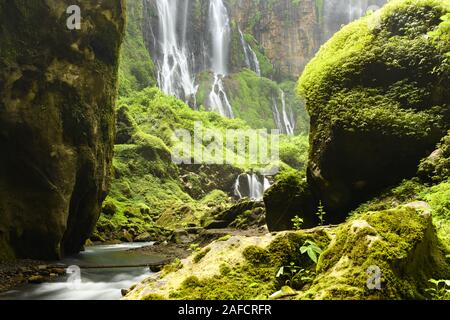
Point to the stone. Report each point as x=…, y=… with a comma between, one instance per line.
x=57, y=93
x=143, y=237
x=372, y=123
x=36, y=279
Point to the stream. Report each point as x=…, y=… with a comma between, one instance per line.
x=97, y=283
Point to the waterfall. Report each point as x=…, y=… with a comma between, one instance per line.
x=284, y=121
x=251, y=185
x=266, y=184
x=174, y=74
x=219, y=26
x=276, y=115
x=218, y=98
x=287, y=120
x=251, y=60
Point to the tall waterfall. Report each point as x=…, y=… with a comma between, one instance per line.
x=285, y=119
x=220, y=31
x=251, y=60
x=251, y=185
x=174, y=72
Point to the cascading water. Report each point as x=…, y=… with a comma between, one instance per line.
x=218, y=98
x=251, y=185
x=219, y=26
x=251, y=60
x=285, y=120
x=174, y=72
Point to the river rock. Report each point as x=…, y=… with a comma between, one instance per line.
x=57, y=94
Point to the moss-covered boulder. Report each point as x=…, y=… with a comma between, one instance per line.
x=436, y=167
x=398, y=246
x=288, y=198
x=378, y=97
x=235, y=267
x=57, y=93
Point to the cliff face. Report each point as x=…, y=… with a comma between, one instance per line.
x=288, y=31
x=57, y=92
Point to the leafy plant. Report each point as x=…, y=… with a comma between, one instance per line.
x=440, y=291
x=295, y=276
x=312, y=249
x=321, y=213
x=297, y=222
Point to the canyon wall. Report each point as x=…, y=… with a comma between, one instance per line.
x=57, y=94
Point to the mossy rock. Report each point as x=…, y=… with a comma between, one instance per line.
x=378, y=99
x=400, y=243
x=436, y=167
x=289, y=197
x=58, y=89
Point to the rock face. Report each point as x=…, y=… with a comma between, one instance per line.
x=378, y=100
x=57, y=93
x=289, y=31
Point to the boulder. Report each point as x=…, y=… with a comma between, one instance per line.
x=57, y=94
x=289, y=197
x=378, y=98
x=388, y=254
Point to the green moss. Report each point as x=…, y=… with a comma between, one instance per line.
x=136, y=70
x=172, y=267
x=199, y=256
x=436, y=167
x=225, y=238
x=400, y=242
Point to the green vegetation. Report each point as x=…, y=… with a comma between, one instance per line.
x=311, y=249
x=440, y=289
x=297, y=223
x=136, y=69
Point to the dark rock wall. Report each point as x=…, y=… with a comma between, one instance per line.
x=57, y=94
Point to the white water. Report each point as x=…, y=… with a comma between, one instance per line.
x=96, y=284
x=287, y=119
x=251, y=185
x=284, y=121
x=218, y=98
x=219, y=26
x=251, y=60
x=174, y=75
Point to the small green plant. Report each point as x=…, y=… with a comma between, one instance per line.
x=321, y=213
x=440, y=290
x=312, y=249
x=297, y=222
x=295, y=276
x=194, y=247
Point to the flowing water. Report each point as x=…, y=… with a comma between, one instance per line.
x=96, y=284
x=251, y=185
x=220, y=32
x=284, y=120
x=251, y=60
x=174, y=71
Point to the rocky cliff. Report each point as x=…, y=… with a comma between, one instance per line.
x=57, y=92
